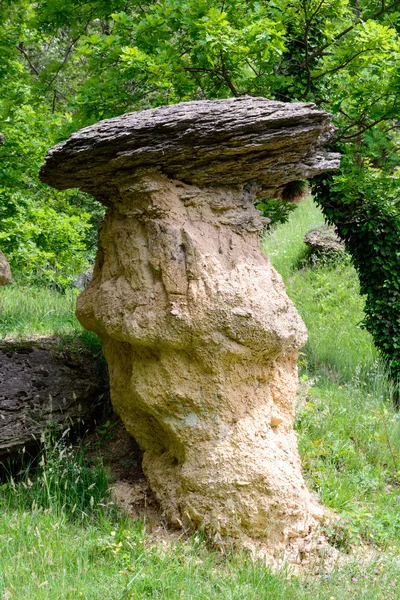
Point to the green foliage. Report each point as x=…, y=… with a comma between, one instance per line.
x=276, y=211
x=46, y=235
x=363, y=205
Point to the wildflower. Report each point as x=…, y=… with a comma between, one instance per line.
x=393, y=583
x=354, y=579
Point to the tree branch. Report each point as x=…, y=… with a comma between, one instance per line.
x=21, y=49
x=337, y=37
x=66, y=56
x=343, y=64
x=226, y=77
x=348, y=138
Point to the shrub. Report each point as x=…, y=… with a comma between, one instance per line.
x=364, y=210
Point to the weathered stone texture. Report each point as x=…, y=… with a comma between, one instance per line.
x=221, y=142
x=82, y=280
x=324, y=240
x=199, y=335
x=40, y=389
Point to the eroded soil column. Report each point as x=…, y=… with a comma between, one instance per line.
x=201, y=342
x=199, y=335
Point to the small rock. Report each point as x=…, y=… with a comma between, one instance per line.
x=276, y=419
x=82, y=280
x=5, y=271
x=324, y=240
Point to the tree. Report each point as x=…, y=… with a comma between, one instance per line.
x=47, y=235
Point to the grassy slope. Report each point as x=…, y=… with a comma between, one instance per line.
x=26, y=311
x=327, y=297
x=349, y=434
x=349, y=441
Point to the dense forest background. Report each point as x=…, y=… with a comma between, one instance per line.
x=67, y=64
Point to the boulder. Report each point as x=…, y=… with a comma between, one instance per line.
x=82, y=280
x=199, y=335
x=42, y=388
x=324, y=240
x=5, y=271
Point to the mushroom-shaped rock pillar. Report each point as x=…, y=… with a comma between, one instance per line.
x=199, y=335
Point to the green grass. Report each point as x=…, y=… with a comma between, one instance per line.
x=349, y=439
x=44, y=556
x=350, y=447
x=285, y=246
x=53, y=559
x=328, y=300
x=59, y=479
x=30, y=310
x=327, y=297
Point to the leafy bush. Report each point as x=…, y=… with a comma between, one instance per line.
x=48, y=236
x=276, y=211
x=364, y=208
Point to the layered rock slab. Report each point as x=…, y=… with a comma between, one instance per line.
x=237, y=141
x=199, y=335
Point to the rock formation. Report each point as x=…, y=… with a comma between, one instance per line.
x=5, y=271
x=40, y=387
x=324, y=240
x=82, y=280
x=200, y=337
